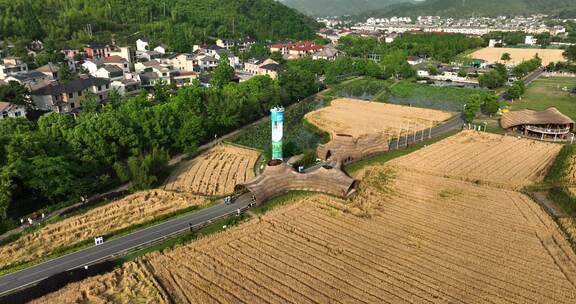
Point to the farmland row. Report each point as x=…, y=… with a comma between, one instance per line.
x=215, y=172
x=490, y=158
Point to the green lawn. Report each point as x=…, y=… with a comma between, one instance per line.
x=547, y=92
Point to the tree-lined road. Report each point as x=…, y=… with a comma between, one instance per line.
x=94, y=254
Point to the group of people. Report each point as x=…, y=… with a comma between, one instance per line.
x=31, y=220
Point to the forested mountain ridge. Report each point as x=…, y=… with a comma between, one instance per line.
x=179, y=23
x=465, y=8
x=337, y=7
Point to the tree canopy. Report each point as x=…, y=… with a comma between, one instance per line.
x=179, y=23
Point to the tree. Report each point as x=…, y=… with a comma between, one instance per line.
x=506, y=57
x=570, y=53
x=277, y=56
x=223, y=74
x=89, y=103
x=65, y=74
x=146, y=171
x=491, y=104
x=462, y=72
x=15, y=93
x=432, y=70
x=161, y=91
x=51, y=176
x=472, y=107
x=516, y=90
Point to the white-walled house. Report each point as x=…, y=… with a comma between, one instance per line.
x=91, y=66
x=162, y=49
x=109, y=72
x=142, y=45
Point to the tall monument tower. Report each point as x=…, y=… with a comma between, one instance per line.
x=277, y=115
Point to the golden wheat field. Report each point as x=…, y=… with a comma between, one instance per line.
x=215, y=172
x=359, y=117
x=134, y=209
x=519, y=55
x=488, y=158
x=130, y=284
x=406, y=237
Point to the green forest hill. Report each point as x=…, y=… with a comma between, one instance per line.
x=465, y=8
x=178, y=23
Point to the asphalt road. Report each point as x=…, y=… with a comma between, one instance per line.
x=94, y=254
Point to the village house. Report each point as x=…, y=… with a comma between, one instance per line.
x=70, y=52
x=182, y=62
x=97, y=50
x=51, y=70
x=12, y=66
x=241, y=44
x=30, y=79
x=117, y=61
x=328, y=53
x=142, y=45
x=126, y=52
x=414, y=60
x=10, y=110
x=182, y=78
x=294, y=50
x=68, y=97
x=162, y=49
x=262, y=67
x=129, y=86
x=109, y=72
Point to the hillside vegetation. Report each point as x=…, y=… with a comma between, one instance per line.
x=461, y=8
x=179, y=23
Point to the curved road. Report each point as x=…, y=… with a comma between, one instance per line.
x=91, y=255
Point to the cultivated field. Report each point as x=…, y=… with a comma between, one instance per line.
x=487, y=158
x=129, y=284
x=134, y=209
x=407, y=237
x=359, y=117
x=518, y=55
x=215, y=172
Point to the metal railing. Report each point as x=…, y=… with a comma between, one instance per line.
x=547, y=131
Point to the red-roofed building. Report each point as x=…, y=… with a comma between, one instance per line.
x=296, y=49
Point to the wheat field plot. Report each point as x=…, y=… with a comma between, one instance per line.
x=359, y=117
x=134, y=209
x=488, y=158
x=215, y=172
x=407, y=237
x=130, y=284
x=519, y=55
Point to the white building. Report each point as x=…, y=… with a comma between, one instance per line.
x=162, y=49
x=530, y=40
x=142, y=46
